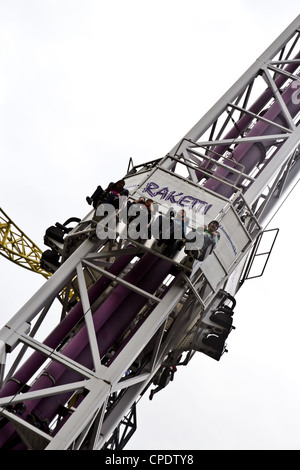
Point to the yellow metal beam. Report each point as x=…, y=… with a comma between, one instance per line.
x=17, y=247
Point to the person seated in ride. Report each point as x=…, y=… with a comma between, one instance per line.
x=139, y=216
x=209, y=240
x=170, y=229
x=110, y=195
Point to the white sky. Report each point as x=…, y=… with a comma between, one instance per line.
x=85, y=85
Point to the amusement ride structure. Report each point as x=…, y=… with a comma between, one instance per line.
x=127, y=308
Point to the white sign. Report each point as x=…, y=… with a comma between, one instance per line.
x=172, y=191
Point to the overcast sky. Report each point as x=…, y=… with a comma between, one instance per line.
x=86, y=85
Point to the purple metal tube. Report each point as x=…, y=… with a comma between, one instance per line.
x=112, y=317
x=35, y=361
x=80, y=341
x=120, y=349
x=107, y=335
x=246, y=119
x=53, y=340
x=250, y=154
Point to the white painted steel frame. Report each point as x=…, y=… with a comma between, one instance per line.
x=242, y=83
x=110, y=379
x=265, y=63
x=103, y=381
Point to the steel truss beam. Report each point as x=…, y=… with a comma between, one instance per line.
x=229, y=126
x=17, y=247
x=172, y=317
x=100, y=382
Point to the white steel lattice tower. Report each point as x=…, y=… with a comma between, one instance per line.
x=130, y=307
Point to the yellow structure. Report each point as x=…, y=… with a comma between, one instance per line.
x=17, y=247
